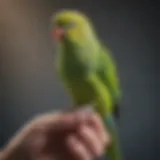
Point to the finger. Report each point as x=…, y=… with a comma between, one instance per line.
x=77, y=149
x=100, y=128
x=60, y=120
x=89, y=138
x=44, y=157
x=68, y=121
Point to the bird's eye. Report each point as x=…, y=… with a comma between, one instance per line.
x=70, y=24
x=66, y=25
x=60, y=24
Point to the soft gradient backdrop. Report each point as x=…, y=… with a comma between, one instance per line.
x=29, y=84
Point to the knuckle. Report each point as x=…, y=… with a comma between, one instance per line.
x=107, y=139
x=97, y=116
x=99, y=151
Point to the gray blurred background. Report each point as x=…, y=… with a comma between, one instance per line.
x=29, y=84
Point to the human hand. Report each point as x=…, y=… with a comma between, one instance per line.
x=77, y=135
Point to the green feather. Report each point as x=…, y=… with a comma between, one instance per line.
x=88, y=70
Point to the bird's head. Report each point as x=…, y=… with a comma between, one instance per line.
x=70, y=25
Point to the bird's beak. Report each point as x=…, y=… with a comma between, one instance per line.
x=57, y=33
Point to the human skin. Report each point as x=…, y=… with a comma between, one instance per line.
x=76, y=135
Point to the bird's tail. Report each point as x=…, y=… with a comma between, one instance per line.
x=114, y=151
x=116, y=111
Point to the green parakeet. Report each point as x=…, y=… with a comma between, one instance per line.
x=87, y=69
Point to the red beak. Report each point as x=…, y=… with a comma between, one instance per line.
x=57, y=33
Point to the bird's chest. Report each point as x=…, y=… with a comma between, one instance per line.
x=75, y=65
x=74, y=77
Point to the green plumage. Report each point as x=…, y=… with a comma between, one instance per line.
x=87, y=70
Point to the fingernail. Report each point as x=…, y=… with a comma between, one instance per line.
x=83, y=113
x=86, y=108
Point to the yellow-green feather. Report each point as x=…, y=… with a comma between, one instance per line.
x=88, y=77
